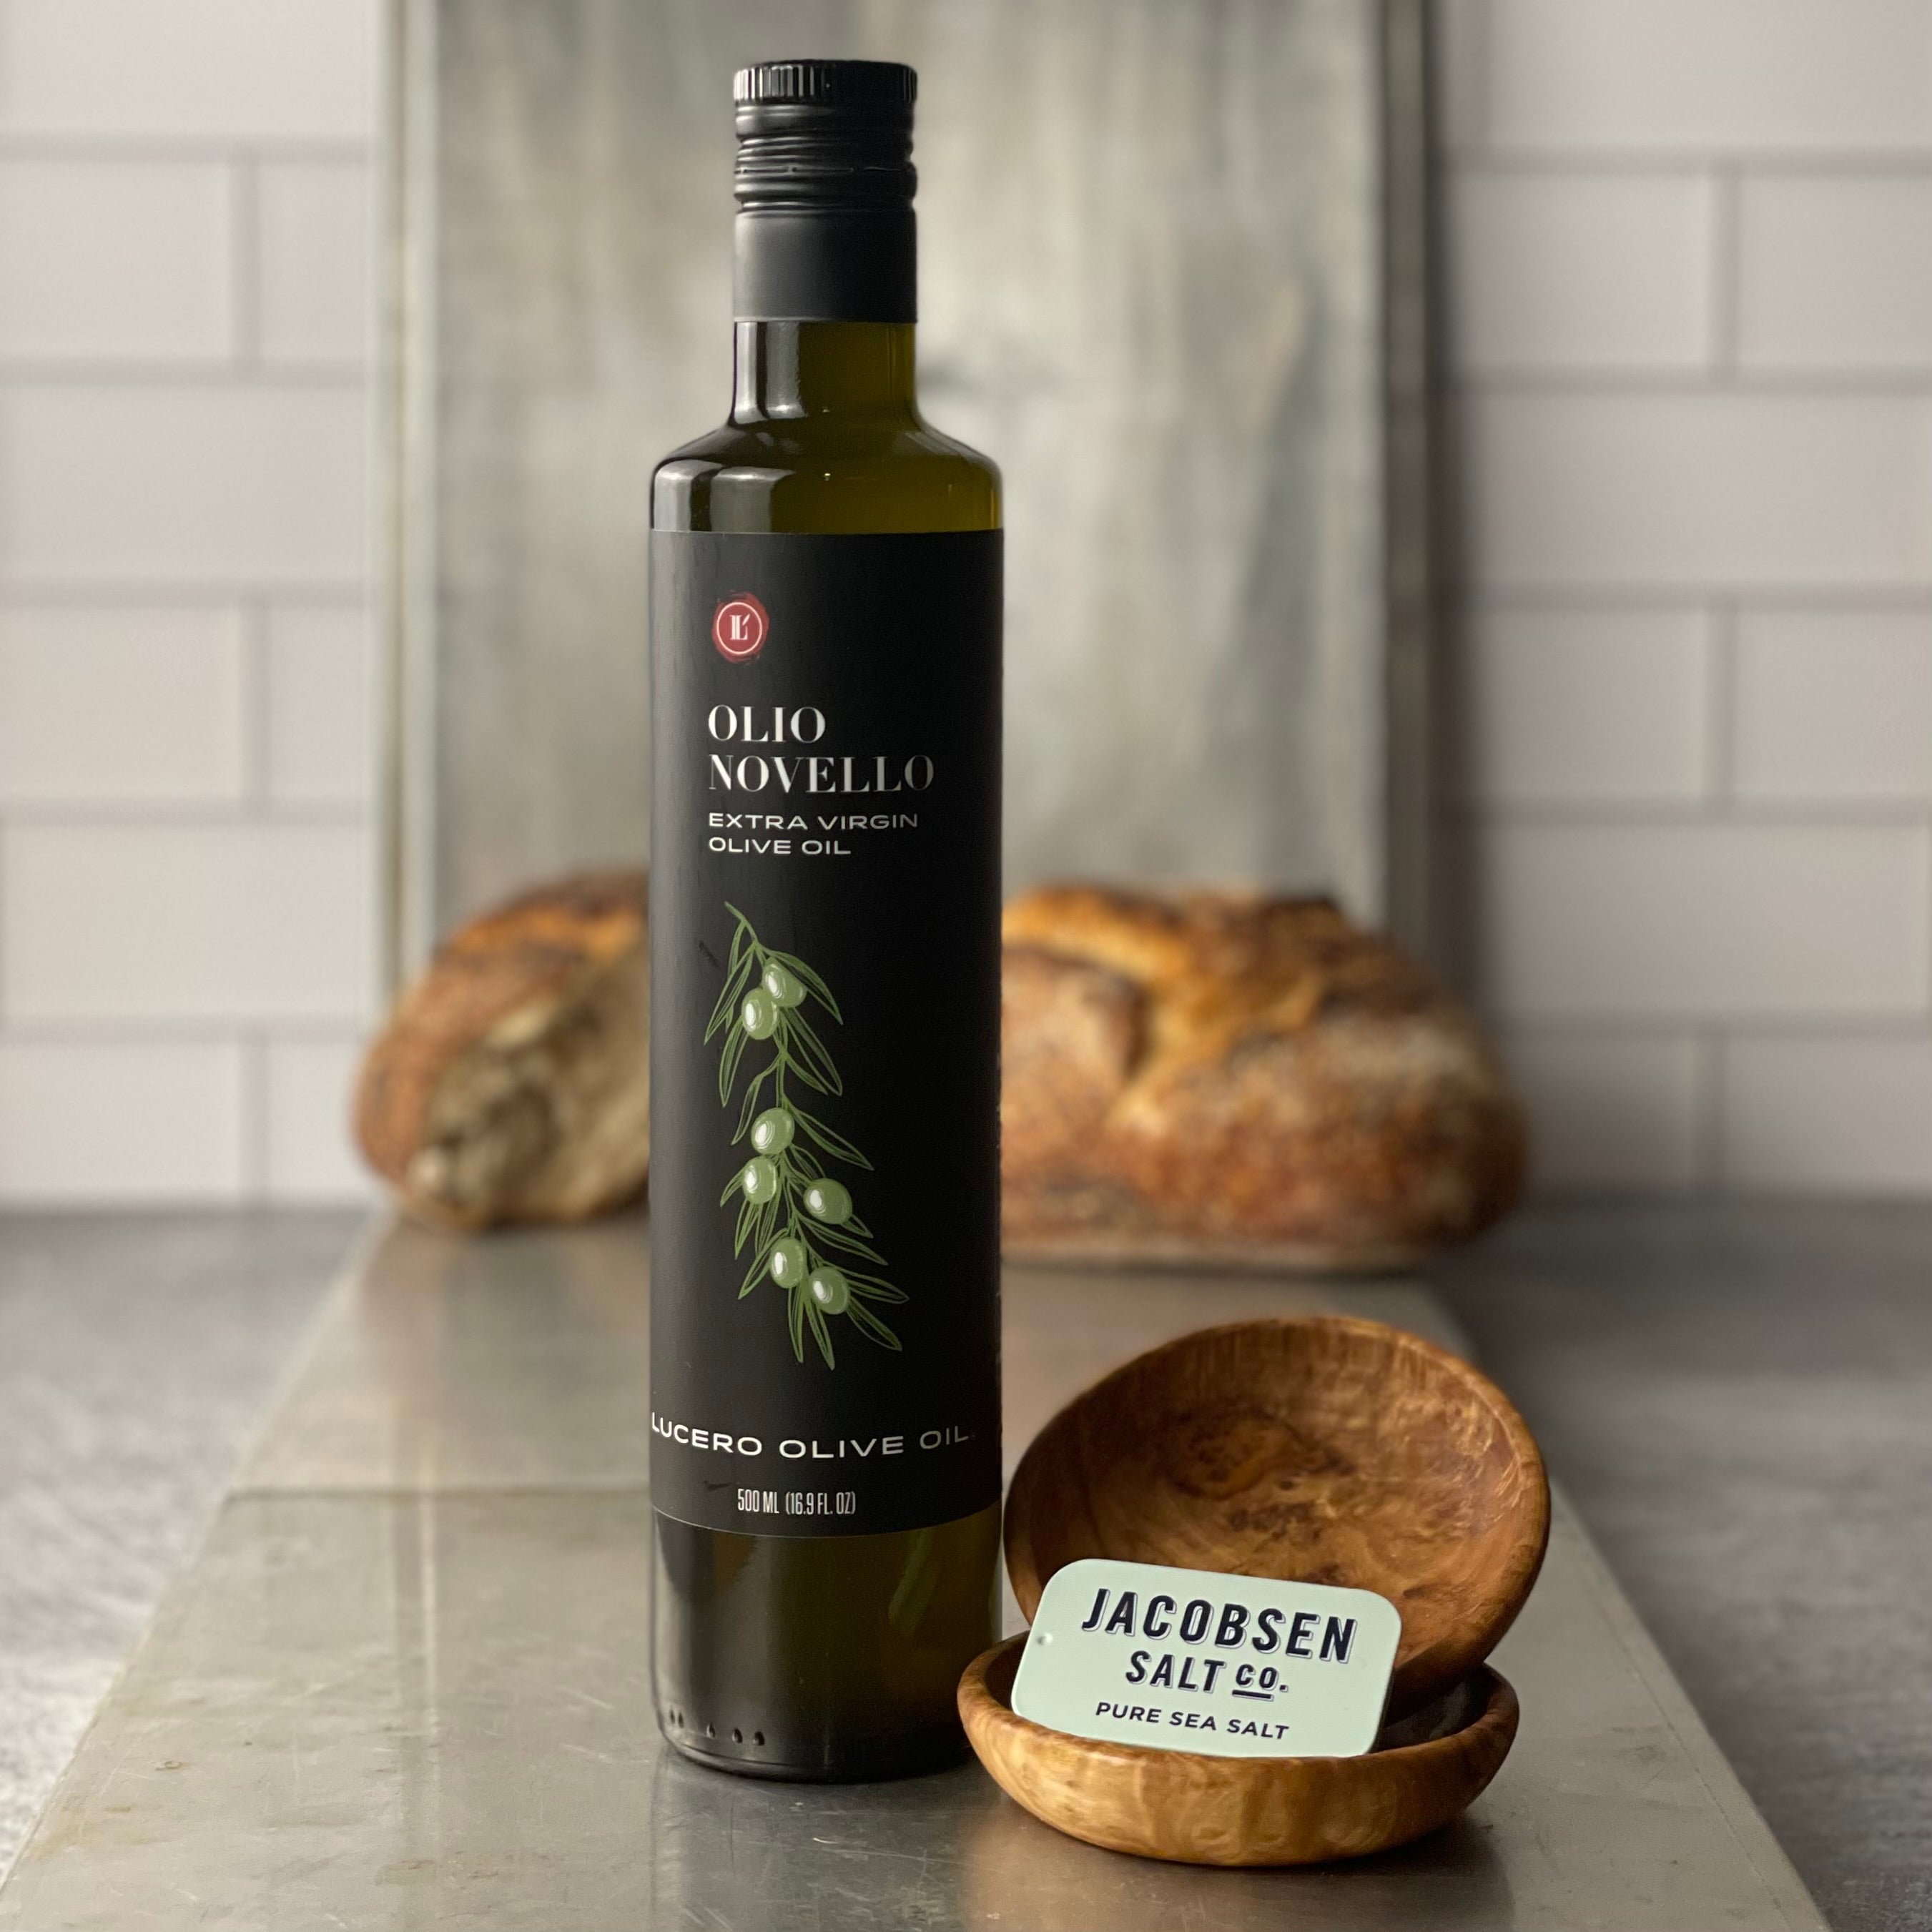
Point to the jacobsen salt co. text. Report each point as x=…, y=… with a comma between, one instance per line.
x=1200, y=1626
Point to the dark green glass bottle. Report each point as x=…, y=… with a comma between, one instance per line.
x=825, y=508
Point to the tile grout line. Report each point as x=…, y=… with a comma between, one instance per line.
x=1661, y=382
x=136, y=148
x=218, y=374
x=1912, y=598
x=137, y=594
x=1892, y=1023
x=1688, y=813
x=167, y=814
x=1823, y=163
x=1909, y=601
x=1468, y=161
x=1689, y=1028
x=110, y=1030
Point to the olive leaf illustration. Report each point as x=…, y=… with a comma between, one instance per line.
x=797, y=1220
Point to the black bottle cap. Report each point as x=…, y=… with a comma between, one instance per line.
x=824, y=184
x=830, y=83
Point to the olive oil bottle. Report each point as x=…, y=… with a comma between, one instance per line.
x=825, y=650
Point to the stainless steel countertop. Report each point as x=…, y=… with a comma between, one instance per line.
x=138, y=1354
x=1739, y=1400
x=414, y=1489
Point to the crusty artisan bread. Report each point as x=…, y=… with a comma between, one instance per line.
x=1213, y=1076
x=1231, y=1076
x=512, y=1081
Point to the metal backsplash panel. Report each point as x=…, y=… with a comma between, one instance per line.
x=1167, y=279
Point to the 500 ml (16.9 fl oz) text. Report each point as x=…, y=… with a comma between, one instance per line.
x=798, y=1502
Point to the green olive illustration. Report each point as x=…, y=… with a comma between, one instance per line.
x=786, y=988
x=828, y=1201
x=830, y=1290
x=791, y=1212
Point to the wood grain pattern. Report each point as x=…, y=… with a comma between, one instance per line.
x=1241, y=1811
x=1323, y=1450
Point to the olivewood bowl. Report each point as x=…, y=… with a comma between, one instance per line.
x=1246, y=1811
x=1321, y=1450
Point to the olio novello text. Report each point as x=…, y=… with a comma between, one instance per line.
x=743, y=771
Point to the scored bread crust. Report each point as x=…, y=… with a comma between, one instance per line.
x=1235, y=1076
x=1214, y=1075
x=511, y=1080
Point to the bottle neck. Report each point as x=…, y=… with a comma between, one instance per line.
x=787, y=369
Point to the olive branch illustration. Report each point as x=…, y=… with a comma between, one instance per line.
x=796, y=1219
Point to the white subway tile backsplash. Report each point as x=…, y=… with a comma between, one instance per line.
x=199, y=69
x=311, y=1154
x=1835, y=706
x=1691, y=703
x=118, y=483
x=115, y=260
x=1550, y=271
x=184, y=203
x=1642, y=191
x=1620, y=1111
x=1555, y=705
x=321, y=696
x=316, y=250
x=94, y=1120
x=1726, y=75
x=147, y=922
x=112, y=703
x=1843, y=1115
x=1835, y=272
x=1699, y=489
x=1587, y=922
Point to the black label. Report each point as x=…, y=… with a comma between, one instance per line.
x=825, y=845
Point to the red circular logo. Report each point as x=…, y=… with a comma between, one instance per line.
x=739, y=626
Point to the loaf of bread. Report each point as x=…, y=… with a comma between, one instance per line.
x=1213, y=1076
x=512, y=1082
x=1231, y=1077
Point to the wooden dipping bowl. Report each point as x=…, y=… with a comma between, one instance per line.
x=1241, y=1811
x=1320, y=1450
